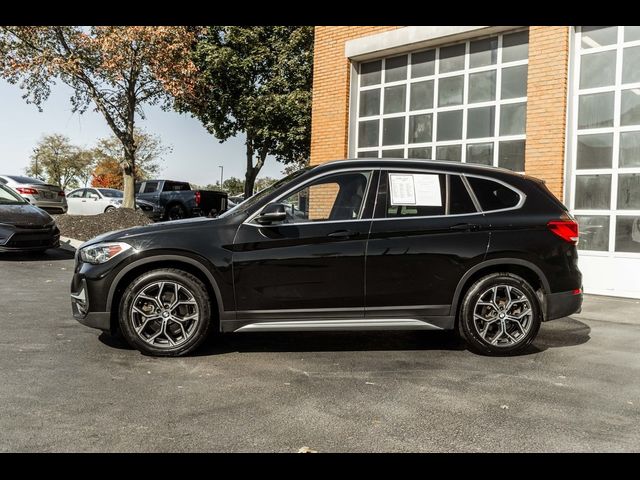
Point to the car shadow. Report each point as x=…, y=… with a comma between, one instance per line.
x=53, y=254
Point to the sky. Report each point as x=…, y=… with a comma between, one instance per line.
x=195, y=157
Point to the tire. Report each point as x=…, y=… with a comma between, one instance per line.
x=501, y=333
x=109, y=209
x=160, y=333
x=175, y=212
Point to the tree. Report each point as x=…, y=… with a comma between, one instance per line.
x=264, y=182
x=110, y=156
x=233, y=186
x=59, y=162
x=256, y=81
x=115, y=69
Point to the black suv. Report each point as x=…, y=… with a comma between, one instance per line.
x=347, y=245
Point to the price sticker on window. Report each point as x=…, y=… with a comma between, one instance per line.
x=415, y=189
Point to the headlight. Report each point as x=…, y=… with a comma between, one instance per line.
x=102, y=252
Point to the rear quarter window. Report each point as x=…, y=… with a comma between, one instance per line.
x=493, y=195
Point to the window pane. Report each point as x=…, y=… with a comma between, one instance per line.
x=630, y=107
x=421, y=95
x=394, y=99
x=480, y=122
x=482, y=86
x=421, y=207
x=423, y=63
x=449, y=152
x=393, y=153
x=631, y=65
x=511, y=155
x=595, y=110
x=493, y=195
x=598, y=69
x=395, y=69
x=452, y=58
x=599, y=36
x=393, y=131
x=371, y=154
x=631, y=33
x=336, y=197
x=628, y=234
x=594, y=232
x=480, y=153
x=459, y=200
x=450, y=125
x=630, y=149
x=515, y=46
x=514, y=82
x=595, y=151
x=420, y=127
x=483, y=52
x=370, y=102
x=629, y=191
x=450, y=91
x=370, y=73
x=593, y=192
x=421, y=152
x=513, y=118
x=368, y=133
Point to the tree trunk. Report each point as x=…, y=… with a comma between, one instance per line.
x=251, y=173
x=129, y=200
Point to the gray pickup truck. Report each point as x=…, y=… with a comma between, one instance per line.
x=175, y=200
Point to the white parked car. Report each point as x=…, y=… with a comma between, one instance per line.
x=92, y=201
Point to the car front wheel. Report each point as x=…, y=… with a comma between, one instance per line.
x=165, y=312
x=500, y=314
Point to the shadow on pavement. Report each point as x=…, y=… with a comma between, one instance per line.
x=53, y=254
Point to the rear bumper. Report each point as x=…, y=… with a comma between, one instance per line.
x=563, y=304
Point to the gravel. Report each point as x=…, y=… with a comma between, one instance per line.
x=84, y=227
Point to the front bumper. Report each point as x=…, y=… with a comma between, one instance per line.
x=562, y=304
x=19, y=239
x=80, y=308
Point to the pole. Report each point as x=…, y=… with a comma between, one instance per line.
x=221, y=175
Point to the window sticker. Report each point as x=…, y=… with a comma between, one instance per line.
x=415, y=189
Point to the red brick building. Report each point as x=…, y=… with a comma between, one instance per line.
x=560, y=103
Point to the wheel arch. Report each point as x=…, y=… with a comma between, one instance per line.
x=188, y=264
x=527, y=270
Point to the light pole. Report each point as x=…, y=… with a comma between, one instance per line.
x=221, y=175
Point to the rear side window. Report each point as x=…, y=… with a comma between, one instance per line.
x=415, y=195
x=493, y=195
x=459, y=200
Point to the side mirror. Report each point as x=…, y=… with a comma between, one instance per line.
x=274, y=212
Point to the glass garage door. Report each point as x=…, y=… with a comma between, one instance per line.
x=604, y=191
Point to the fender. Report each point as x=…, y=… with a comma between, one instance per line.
x=164, y=258
x=497, y=261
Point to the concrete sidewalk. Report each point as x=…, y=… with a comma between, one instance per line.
x=610, y=309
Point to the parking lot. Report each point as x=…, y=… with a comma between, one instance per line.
x=65, y=387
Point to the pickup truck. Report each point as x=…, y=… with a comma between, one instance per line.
x=175, y=200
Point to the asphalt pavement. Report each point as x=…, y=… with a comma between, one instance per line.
x=67, y=388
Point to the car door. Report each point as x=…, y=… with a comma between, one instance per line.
x=75, y=201
x=310, y=265
x=426, y=233
x=94, y=203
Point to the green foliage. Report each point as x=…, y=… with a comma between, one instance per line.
x=148, y=155
x=59, y=162
x=257, y=81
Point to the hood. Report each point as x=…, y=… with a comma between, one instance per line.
x=24, y=216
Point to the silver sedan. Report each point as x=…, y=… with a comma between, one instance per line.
x=48, y=197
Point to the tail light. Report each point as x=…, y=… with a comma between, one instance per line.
x=198, y=199
x=27, y=190
x=61, y=193
x=567, y=230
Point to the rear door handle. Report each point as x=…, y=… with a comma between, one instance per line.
x=342, y=234
x=465, y=227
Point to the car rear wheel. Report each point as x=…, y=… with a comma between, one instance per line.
x=500, y=314
x=175, y=212
x=165, y=312
x=109, y=209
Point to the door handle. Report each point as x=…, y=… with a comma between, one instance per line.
x=465, y=227
x=342, y=234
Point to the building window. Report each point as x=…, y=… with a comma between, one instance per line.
x=465, y=102
x=605, y=153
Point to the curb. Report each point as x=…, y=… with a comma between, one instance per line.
x=70, y=242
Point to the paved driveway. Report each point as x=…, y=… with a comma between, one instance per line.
x=64, y=387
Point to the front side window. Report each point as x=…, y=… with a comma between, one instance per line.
x=330, y=198
x=465, y=102
x=150, y=187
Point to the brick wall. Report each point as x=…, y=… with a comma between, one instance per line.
x=330, y=116
x=547, y=105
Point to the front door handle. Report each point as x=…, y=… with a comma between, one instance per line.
x=342, y=234
x=465, y=227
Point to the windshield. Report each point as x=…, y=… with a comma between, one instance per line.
x=249, y=202
x=19, y=179
x=7, y=197
x=111, y=193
